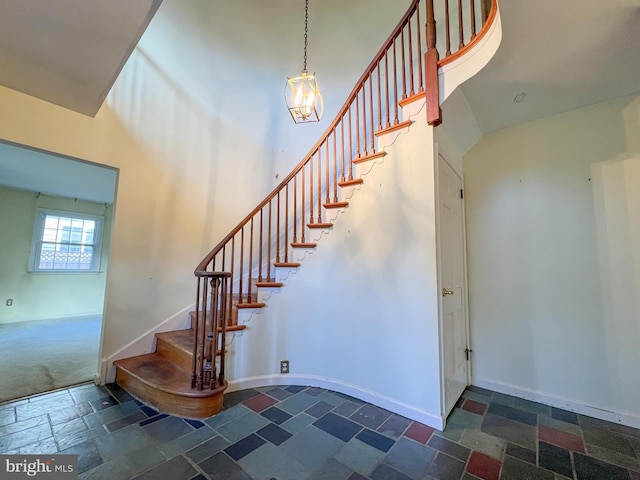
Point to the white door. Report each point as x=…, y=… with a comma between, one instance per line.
x=453, y=295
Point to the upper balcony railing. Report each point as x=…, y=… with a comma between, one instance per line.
x=404, y=68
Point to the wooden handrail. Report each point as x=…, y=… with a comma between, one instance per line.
x=405, y=67
x=347, y=104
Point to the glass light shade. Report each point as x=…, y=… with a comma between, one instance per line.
x=303, y=98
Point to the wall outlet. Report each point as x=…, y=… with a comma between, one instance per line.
x=284, y=366
x=9, y=302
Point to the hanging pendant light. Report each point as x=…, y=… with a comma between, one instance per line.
x=302, y=94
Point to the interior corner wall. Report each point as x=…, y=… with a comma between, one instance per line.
x=43, y=296
x=553, y=242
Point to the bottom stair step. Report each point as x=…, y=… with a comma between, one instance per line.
x=166, y=387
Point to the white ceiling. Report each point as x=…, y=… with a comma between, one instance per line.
x=69, y=52
x=565, y=54
x=43, y=172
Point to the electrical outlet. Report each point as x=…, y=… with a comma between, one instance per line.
x=9, y=302
x=284, y=366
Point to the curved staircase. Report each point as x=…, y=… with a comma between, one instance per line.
x=185, y=375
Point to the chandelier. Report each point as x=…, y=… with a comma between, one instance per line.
x=302, y=94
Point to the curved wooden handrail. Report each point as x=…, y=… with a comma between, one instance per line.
x=485, y=29
x=350, y=99
x=295, y=206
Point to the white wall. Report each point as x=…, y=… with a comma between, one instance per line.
x=361, y=313
x=554, y=259
x=186, y=137
x=50, y=295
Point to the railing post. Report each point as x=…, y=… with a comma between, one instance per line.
x=486, y=8
x=431, y=70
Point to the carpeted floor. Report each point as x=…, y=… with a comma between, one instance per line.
x=44, y=355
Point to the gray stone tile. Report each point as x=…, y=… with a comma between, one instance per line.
x=115, y=469
x=410, y=458
x=359, y=456
x=621, y=459
x=511, y=431
x=277, y=393
x=531, y=407
x=70, y=427
x=370, y=416
x=111, y=414
x=332, y=398
x=385, y=472
x=483, y=442
x=44, y=406
x=445, y=467
x=145, y=458
x=7, y=416
x=297, y=423
x=324, y=446
x=298, y=403
x=182, y=444
x=514, y=469
x=394, y=426
x=227, y=416
x=560, y=425
x=177, y=468
x=71, y=439
x=207, y=449
x=219, y=467
x=347, y=408
x=166, y=430
x=28, y=436
x=608, y=439
x=332, y=470
x=88, y=455
x=269, y=461
x=88, y=393
x=242, y=427
x=24, y=425
x=46, y=446
x=463, y=418
x=121, y=442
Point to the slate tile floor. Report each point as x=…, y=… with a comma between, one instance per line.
x=296, y=433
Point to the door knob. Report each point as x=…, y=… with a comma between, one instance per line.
x=446, y=292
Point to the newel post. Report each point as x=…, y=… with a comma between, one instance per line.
x=431, y=70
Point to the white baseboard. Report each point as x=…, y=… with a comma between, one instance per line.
x=393, y=405
x=629, y=419
x=145, y=343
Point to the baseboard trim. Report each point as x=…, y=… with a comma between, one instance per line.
x=382, y=401
x=145, y=343
x=629, y=419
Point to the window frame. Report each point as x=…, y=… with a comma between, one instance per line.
x=38, y=240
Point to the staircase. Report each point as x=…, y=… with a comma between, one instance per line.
x=185, y=376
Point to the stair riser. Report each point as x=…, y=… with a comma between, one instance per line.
x=181, y=406
x=178, y=356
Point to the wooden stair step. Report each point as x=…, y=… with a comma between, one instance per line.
x=160, y=383
x=287, y=264
x=368, y=157
x=303, y=245
x=320, y=225
x=349, y=183
x=336, y=205
x=269, y=284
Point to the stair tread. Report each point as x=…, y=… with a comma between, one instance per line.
x=162, y=374
x=183, y=339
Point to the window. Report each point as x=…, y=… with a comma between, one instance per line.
x=66, y=242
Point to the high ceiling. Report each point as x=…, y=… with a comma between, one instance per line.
x=564, y=54
x=69, y=52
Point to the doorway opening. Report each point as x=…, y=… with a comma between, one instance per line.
x=55, y=236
